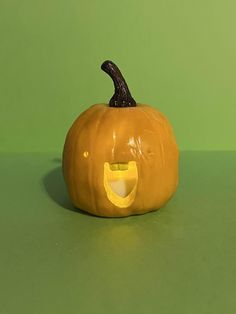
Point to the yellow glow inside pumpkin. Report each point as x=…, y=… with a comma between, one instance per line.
x=120, y=182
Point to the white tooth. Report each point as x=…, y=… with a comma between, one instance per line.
x=120, y=187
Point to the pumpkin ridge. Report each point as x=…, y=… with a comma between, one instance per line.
x=81, y=126
x=92, y=175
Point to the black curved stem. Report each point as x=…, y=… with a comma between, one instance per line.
x=122, y=96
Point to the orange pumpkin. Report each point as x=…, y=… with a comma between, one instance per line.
x=120, y=159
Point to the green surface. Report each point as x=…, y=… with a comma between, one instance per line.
x=176, y=55
x=180, y=259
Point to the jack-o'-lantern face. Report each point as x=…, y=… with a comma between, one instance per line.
x=119, y=161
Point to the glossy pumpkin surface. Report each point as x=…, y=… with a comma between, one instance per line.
x=120, y=161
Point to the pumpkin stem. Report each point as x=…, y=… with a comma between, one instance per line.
x=122, y=96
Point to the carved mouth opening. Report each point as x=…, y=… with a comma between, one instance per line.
x=120, y=182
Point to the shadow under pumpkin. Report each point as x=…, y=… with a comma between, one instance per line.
x=55, y=187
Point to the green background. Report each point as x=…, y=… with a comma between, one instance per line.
x=178, y=56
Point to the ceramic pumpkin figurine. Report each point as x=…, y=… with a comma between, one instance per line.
x=120, y=158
